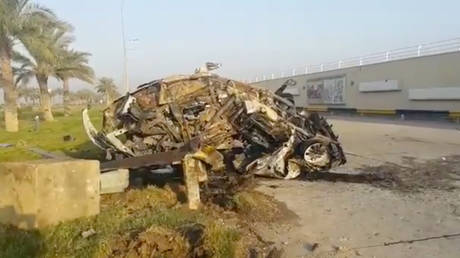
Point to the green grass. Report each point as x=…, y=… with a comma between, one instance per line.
x=49, y=137
x=222, y=240
x=122, y=214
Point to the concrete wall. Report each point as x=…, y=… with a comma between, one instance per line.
x=39, y=193
x=387, y=85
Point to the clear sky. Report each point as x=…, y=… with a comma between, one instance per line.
x=247, y=37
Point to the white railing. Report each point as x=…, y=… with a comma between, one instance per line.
x=433, y=48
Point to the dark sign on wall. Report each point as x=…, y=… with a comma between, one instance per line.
x=326, y=91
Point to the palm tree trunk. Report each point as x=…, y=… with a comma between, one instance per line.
x=66, y=97
x=45, y=98
x=108, y=99
x=9, y=92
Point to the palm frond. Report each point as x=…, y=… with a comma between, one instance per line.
x=74, y=64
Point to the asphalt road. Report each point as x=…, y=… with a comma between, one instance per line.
x=356, y=218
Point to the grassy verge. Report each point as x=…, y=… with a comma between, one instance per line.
x=49, y=136
x=137, y=223
x=125, y=222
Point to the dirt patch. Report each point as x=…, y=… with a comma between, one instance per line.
x=413, y=176
x=230, y=206
x=259, y=207
x=215, y=230
x=440, y=174
x=235, y=193
x=157, y=241
x=153, y=242
x=136, y=199
x=220, y=189
x=377, y=178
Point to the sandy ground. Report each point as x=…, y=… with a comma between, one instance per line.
x=347, y=219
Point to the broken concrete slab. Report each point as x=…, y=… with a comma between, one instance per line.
x=115, y=181
x=39, y=193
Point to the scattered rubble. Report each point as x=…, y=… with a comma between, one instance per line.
x=209, y=126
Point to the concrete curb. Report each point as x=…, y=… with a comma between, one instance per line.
x=453, y=116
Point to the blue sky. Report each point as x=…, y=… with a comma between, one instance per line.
x=247, y=37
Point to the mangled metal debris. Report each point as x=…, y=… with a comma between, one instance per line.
x=209, y=125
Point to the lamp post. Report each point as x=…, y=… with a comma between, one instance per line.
x=125, y=59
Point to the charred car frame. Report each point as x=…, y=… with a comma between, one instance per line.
x=206, y=125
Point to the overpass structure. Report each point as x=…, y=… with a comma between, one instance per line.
x=423, y=79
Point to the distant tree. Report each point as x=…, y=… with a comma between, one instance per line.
x=29, y=94
x=18, y=20
x=24, y=92
x=56, y=92
x=84, y=96
x=106, y=86
x=72, y=64
x=35, y=96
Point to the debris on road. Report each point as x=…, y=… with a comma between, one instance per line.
x=208, y=125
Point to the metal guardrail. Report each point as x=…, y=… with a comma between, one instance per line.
x=433, y=48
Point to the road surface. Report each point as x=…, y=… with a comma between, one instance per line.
x=415, y=195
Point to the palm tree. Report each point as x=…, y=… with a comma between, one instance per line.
x=34, y=96
x=18, y=18
x=26, y=93
x=85, y=96
x=44, y=49
x=72, y=64
x=56, y=92
x=107, y=87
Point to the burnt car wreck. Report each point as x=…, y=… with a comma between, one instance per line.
x=207, y=125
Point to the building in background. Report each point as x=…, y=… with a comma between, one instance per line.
x=413, y=85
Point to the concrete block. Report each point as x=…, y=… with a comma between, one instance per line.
x=114, y=181
x=39, y=193
x=191, y=167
